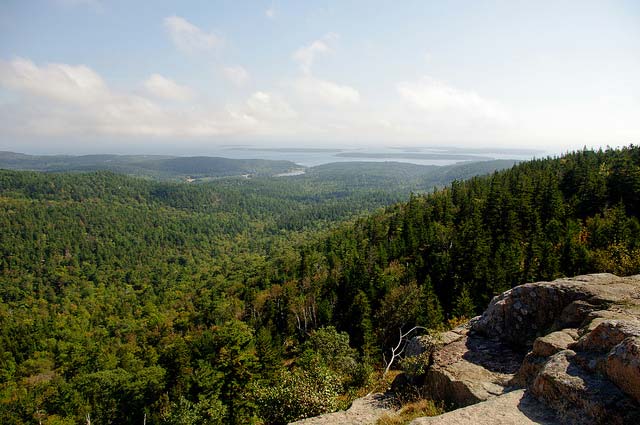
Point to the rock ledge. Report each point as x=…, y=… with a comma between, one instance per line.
x=567, y=349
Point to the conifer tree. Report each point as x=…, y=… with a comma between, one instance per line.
x=464, y=305
x=432, y=316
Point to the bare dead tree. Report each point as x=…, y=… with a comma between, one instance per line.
x=398, y=349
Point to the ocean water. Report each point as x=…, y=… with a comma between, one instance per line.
x=310, y=157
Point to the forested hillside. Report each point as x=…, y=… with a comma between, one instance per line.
x=150, y=166
x=456, y=248
x=216, y=303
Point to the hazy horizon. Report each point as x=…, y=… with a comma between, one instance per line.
x=111, y=76
x=210, y=150
x=311, y=157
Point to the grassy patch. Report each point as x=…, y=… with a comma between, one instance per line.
x=411, y=411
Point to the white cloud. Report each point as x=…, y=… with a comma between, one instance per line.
x=74, y=102
x=61, y=99
x=436, y=96
x=164, y=88
x=317, y=91
x=76, y=84
x=189, y=38
x=305, y=56
x=236, y=74
x=262, y=105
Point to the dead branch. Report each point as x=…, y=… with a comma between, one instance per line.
x=398, y=349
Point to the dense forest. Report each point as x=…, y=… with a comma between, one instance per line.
x=235, y=301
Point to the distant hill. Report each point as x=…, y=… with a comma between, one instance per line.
x=150, y=166
x=161, y=167
x=403, y=175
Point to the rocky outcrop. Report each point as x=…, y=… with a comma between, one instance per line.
x=580, y=396
x=623, y=366
x=513, y=408
x=531, y=310
x=363, y=411
x=465, y=368
x=571, y=344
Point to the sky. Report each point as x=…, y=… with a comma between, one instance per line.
x=122, y=76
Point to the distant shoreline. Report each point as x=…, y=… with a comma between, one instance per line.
x=287, y=150
x=434, y=156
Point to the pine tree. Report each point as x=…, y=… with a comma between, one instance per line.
x=432, y=316
x=269, y=353
x=362, y=326
x=464, y=305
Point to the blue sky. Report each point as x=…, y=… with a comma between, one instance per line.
x=182, y=77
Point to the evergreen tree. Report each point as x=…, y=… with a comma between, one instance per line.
x=464, y=305
x=433, y=316
x=269, y=354
x=362, y=329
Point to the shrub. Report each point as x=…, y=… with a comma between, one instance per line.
x=299, y=394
